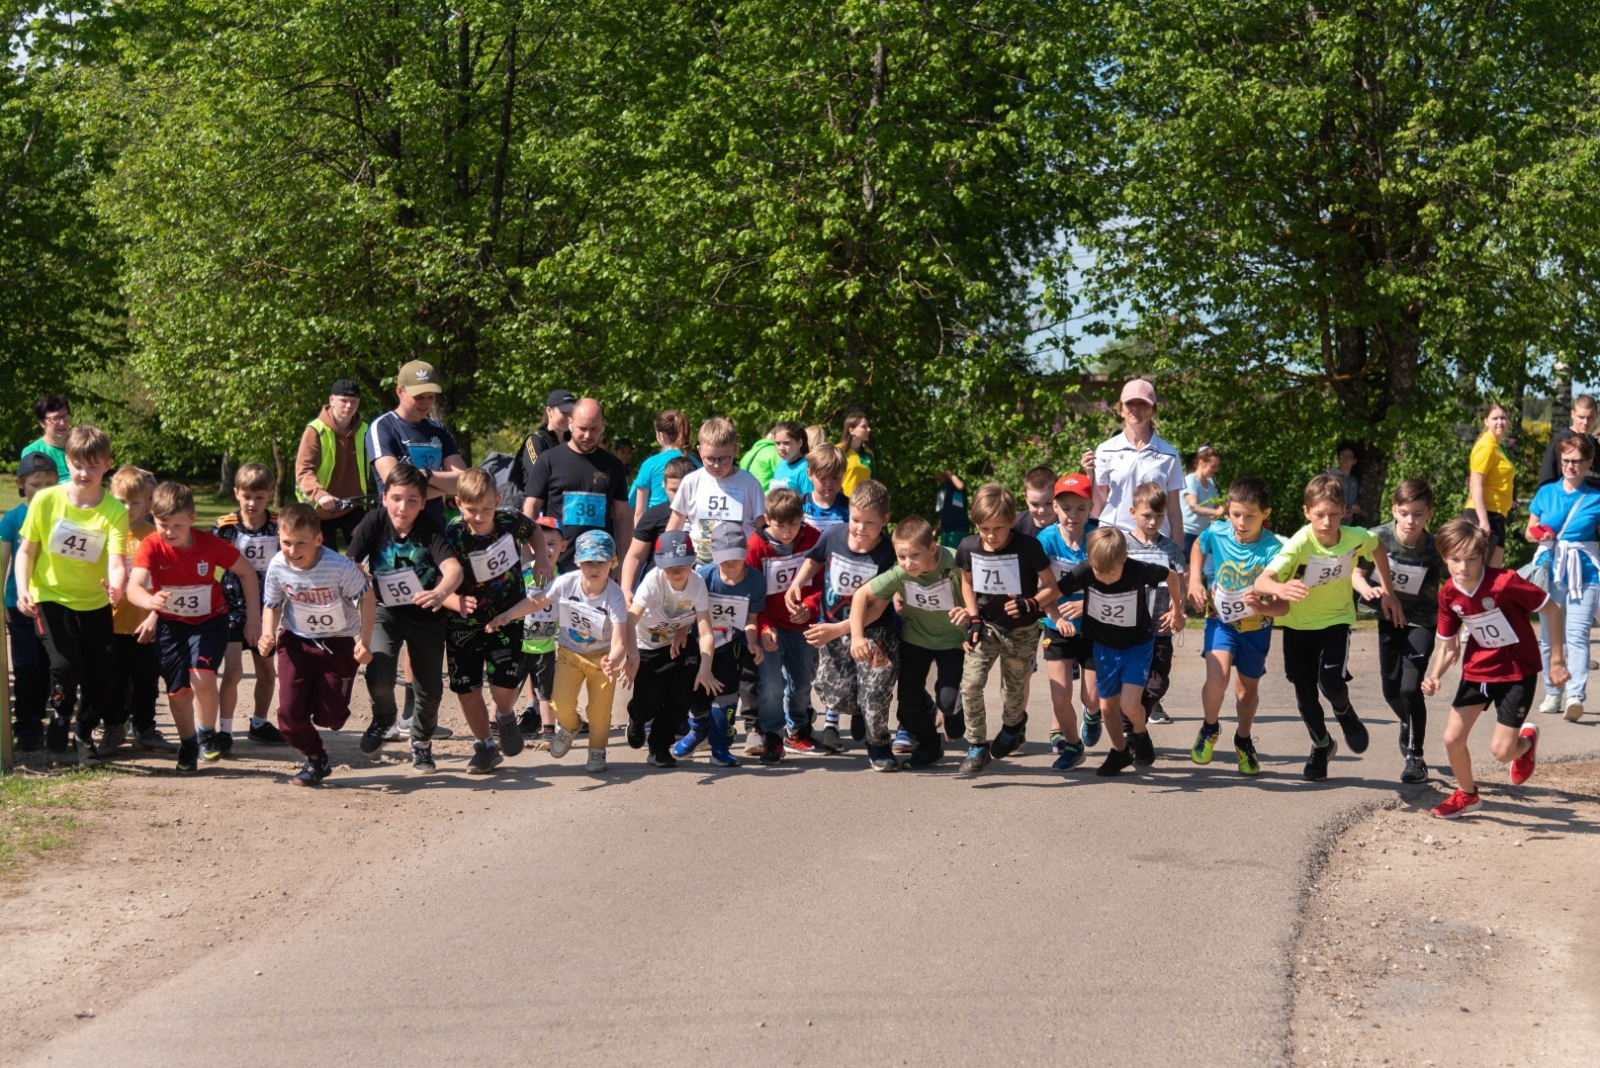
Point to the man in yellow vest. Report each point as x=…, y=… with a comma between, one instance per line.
x=331, y=465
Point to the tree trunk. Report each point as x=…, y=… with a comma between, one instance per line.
x=1560, y=393
x=225, y=479
x=277, y=460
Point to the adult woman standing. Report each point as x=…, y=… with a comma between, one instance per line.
x=1136, y=455
x=1489, y=484
x=859, y=459
x=672, y=434
x=1564, y=520
x=1201, y=506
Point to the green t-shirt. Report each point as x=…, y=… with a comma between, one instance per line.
x=1326, y=569
x=75, y=546
x=538, y=628
x=928, y=601
x=58, y=455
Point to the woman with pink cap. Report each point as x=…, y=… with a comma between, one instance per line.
x=1136, y=455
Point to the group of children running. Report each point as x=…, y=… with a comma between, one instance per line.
x=731, y=596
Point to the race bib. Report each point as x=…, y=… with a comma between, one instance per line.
x=583, y=510
x=781, y=571
x=489, y=564
x=1491, y=629
x=998, y=576
x=1408, y=578
x=397, y=587
x=76, y=543
x=583, y=624
x=1059, y=567
x=719, y=506
x=258, y=549
x=1230, y=605
x=847, y=576
x=728, y=616
x=938, y=597
x=1114, y=609
x=324, y=619
x=189, y=602
x=1321, y=570
x=821, y=523
x=543, y=617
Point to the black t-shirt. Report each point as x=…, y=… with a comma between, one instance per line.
x=534, y=445
x=388, y=555
x=1124, y=599
x=651, y=525
x=999, y=576
x=952, y=505
x=491, y=564
x=578, y=488
x=1027, y=527
x=845, y=571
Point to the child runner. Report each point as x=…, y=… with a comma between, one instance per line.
x=737, y=595
x=326, y=607
x=1147, y=543
x=1502, y=659
x=848, y=557
x=539, y=644
x=1038, y=492
x=791, y=470
x=136, y=669
x=253, y=530
x=1116, y=617
x=783, y=692
x=653, y=522
x=413, y=567
x=1312, y=571
x=717, y=493
x=177, y=574
x=1403, y=652
x=1068, y=654
x=71, y=567
x=951, y=503
x=1006, y=586
x=826, y=506
x=1223, y=567
x=670, y=602
x=36, y=471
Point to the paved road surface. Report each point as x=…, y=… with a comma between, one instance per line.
x=813, y=914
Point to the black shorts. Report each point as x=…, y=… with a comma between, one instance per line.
x=541, y=669
x=186, y=647
x=1511, y=700
x=466, y=651
x=1497, y=527
x=1076, y=648
x=727, y=663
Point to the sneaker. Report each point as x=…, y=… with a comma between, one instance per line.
x=27, y=743
x=635, y=734
x=755, y=743
x=225, y=742
x=978, y=758
x=400, y=728
x=1244, y=751
x=422, y=758
x=151, y=740
x=1522, y=767
x=597, y=762
x=560, y=742
x=1574, y=711
x=1405, y=739
x=1551, y=703
x=831, y=742
x=1116, y=760
x=583, y=727
x=530, y=724
x=1091, y=729
x=88, y=755
x=56, y=736
x=1144, y=748
x=312, y=772
x=113, y=736
x=955, y=725
x=903, y=743
x=485, y=758
x=1355, y=732
x=686, y=745
x=663, y=760
x=210, y=750
x=858, y=726
x=881, y=758
x=510, y=735
x=1205, y=743
x=543, y=738
x=1071, y=756
x=267, y=734
x=724, y=758
x=1457, y=805
x=373, y=737
x=1416, y=771
x=926, y=756
x=771, y=749
x=800, y=743
x=1317, y=766
x=1010, y=739
x=439, y=733
x=188, y=757
x=1157, y=714
x=1057, y=741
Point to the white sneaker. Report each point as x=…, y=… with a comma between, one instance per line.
x=561, y=742
x=756, y=744
x=597, y=762
x=1551, y=704
x=396, y=731
x=1574, y=711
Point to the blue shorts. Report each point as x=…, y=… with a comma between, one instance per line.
x=1116, y=668
x=184, y=648
x=1249, y=650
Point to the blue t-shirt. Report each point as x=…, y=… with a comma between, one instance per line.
x=752, y=589
x=825, y=519
x=1579, y=511
x=1205, y=493
x=1063, y=557
x=651, y=477
x=797, y=476
x=1232, y=566
x=10, y=528
x=425, y=445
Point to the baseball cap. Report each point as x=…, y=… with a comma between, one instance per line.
x=37, y=463
x=1074, y=483
x=345, y=388
x=594, y=546
x=418, y=377
x=672, y=549
x=727, y=543
x=1139, y=389
x=549, y=522
x=561, y=399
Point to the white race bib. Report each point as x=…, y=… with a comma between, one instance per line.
x=821, y=523
x=583, y=623
x=75, y=543
x=1060, y=566
x=322, y=619
x=728, y=616
x=1491, y=629
x=1321, y=570
x=847, y=576
x=489, y=564
x=781, y=571
x=189, y=602
x=258, y=549
x=1114, y=609
x=1408, y=578
x=543, y=616
x=938, y=597
x=998, y=576
x=718, y=505
x=397, y=587
x=1230, y=605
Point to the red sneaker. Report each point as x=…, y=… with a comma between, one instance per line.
x=800, y=745
x=1457, y=805
x=1522, y=767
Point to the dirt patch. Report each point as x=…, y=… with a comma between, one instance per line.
x=1461, y=943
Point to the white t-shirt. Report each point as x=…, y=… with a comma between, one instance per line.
x=583, y=623
x=666, y=610
x=704, y=502
x=1121, y=468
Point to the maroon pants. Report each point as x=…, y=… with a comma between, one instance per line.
x=314, y=681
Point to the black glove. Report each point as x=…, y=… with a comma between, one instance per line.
x=1026, y=606
x=974, y=632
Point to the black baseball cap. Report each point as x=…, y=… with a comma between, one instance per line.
x=673, y=549
x=345, y=388
x=561, y=399
x=37, y=463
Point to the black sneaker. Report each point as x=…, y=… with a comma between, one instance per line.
x=88, y=755
x=1416, y=771
x=112, y=737
x=1116, y=761
x=881, y=758
x=978, y=758
x=530, y=724
x=858, y=726
x=372, y=738
x=663, y=760
x=1405, y=739
x=485, y=758
x=1144, y=750
x=210, y=749
x=1010, y=739
x=57, y=736
x=1317, y=766
x=188, y=756
x=583, y=728
x=225, y=742
x=312, y=772
x=831, y=742
x=925, y=755
x=510, y=735
x=422, y=758
x=635, y=734
x=267, y=734
x=1157, y=715
x=151, y=740
x=771, y=748
x=1355, y=732
x=27, y=743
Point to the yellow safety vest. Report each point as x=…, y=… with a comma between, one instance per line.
x=329, y=446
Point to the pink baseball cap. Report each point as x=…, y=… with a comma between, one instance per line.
x=1139, y=389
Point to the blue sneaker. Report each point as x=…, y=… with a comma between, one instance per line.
x=723, y=757
x=1091, y=729
x=1071, y=756
x=1058, y=741
x=903, y=742
x=699, y=727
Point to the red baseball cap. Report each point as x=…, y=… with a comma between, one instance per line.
x=1075, y=483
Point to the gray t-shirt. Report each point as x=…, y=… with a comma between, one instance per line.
x=1167, y=553
x=321, y=599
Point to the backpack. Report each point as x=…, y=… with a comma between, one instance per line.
x=501, y=466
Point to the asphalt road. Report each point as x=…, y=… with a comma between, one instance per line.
x=815, y=913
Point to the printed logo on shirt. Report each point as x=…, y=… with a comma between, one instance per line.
x=313, y=596
x=1488, y=602
x=202, y=569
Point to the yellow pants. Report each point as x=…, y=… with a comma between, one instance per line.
x=572, y=671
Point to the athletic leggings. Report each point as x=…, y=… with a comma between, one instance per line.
x=78, y=646
x=1403, y=655
x=915, y=710
x=1160, y=672
x=1313, y=660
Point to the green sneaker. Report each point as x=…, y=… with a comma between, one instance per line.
x=1204, y=743
x=1245, y=750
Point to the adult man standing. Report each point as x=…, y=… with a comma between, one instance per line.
x=556, y=429
x=581, y=484
x=1583, y=423
x=331, y=464
x=408, y=434
x=55, y=424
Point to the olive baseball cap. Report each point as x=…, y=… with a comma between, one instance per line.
x=418, y=377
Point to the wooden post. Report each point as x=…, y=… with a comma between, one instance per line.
x=6, y=755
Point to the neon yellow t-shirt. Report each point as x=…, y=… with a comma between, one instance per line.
x=857, y=468
x=74, y=547
x=1326, y=569
x=1491, y=461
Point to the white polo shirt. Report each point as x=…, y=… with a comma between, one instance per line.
x=1121, y=468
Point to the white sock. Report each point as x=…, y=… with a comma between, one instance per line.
x=257, y=722
x=225, y=725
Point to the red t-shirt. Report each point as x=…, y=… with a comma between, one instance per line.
x=1497, y=611
x=781, y=568
x=193, y=574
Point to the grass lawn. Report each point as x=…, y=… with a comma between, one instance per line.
x=39, y=813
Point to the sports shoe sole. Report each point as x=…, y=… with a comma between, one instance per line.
x=1574, y=712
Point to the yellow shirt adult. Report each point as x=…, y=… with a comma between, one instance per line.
x=857, y=468
x=1490, y=461
x=73, y=562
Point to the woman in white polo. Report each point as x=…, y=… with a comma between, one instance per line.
x=1136, y=455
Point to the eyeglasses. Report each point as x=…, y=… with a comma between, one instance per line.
x=1575, y=461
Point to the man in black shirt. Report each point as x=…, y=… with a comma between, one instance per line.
x=1583, y=422
x=582, y=485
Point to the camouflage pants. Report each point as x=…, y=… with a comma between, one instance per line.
x=1015, y=649
x=849, y=686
